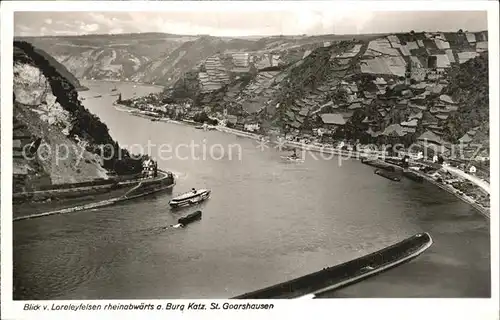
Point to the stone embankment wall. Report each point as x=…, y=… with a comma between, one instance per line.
x=149, y=186
x=74, y=190
x=143, y=188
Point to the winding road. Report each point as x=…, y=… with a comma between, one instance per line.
x=477, y=181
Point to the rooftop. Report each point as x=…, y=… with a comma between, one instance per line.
x=333, y=118
x=430, y=137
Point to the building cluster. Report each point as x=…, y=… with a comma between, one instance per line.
x=149, y=168
x=397, y=83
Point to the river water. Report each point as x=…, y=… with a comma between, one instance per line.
x=267, y=222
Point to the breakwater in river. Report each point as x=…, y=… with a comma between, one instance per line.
x=346, y=273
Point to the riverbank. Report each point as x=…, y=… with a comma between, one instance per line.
x=484, y=211
x=121, y=82
x=142, y=188
x=153, y=116
x=82, y=88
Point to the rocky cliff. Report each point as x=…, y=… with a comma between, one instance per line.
x=56, y=140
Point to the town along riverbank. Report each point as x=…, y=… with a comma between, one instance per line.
x=456, y=185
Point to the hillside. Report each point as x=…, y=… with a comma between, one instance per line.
x=388, y=89
x=372, y=88
x=469, y=88
x=156, y=57
x=116, y=57
x=56, y=140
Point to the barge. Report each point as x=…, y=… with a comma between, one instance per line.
x=189, y=218
x=413, y=176
x=350, y=272
x=394, y=162
x=388, y=174
x=378, y=164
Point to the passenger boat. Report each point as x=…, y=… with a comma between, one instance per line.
x=190, y=198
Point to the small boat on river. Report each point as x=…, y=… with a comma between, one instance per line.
x=292, y=159
x=205, y=127
x=189, y=198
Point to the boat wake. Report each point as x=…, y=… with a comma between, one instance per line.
x=173, y=226
x=157, y=230
x=179, y=175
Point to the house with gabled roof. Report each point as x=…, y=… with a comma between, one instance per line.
x=333, y=119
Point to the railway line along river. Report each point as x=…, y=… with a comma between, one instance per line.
x=267, y=222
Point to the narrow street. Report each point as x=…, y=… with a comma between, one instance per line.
x=477, y=181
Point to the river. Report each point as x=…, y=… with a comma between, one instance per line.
x=267, y=222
